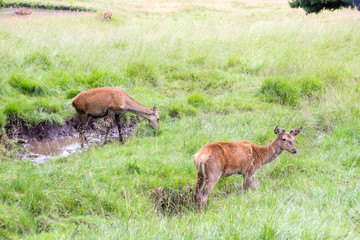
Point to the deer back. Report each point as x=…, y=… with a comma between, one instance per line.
x=23, y=12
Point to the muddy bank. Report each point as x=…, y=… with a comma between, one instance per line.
x=19, y=130
x=44, y=141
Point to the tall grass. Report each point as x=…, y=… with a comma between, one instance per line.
x=226, y=71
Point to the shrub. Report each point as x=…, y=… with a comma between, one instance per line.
x=280, y=90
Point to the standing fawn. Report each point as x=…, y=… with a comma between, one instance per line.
x=222, y=159
x=110, y=103
x=107, y=15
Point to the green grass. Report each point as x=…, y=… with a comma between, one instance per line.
x=216, y=72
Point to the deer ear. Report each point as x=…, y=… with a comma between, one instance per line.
x=155, y=108
x=277, y=130
x=295, y=131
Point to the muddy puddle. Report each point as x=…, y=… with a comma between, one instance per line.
x=43, y=150
x=45, y=142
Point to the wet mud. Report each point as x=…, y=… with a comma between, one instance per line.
x=44, y=142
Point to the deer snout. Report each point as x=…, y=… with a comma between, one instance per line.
x=155, y=126
x=294, y=151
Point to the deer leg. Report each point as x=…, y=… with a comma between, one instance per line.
x=84, y=120
x=208, y=187
x=117, y=120
x=248, y=182
x=198, y=188
x=108, y=120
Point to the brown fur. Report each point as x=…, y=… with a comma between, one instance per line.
x=110, y=102
x=23, y=12
x=107, y=15
x=222, y=159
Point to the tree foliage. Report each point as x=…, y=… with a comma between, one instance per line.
x=315, y=6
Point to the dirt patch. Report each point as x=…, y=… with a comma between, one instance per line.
x=45, y=141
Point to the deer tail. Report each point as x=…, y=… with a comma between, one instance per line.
x=201, y=169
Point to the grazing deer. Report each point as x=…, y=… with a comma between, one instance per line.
x=222, y=159
x=23, y=12
x=110, y=103
x=107, y=15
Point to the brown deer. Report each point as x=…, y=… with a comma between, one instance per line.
x=222, y=159
x=110, y=103
x=107, y=15
x=23, y=12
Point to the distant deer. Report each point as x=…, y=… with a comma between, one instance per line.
x=107, y=15
x=23, y=12
x=222, y=159
x=110, y=103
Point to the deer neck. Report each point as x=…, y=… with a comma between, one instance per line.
x=138, y=109
x=271, y=151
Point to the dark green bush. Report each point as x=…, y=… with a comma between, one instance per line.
x=315, y=6
x=280, y=90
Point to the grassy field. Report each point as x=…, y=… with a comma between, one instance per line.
x=218, y=71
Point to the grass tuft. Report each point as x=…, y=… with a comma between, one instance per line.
x=27, y=86
x=142, y=72
x=280, y=90
x=196, y=100
x=38, y=60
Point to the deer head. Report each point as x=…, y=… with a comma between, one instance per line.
x=285, y=140
x=154, y=118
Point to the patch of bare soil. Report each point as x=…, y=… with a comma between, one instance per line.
x=45, y=141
